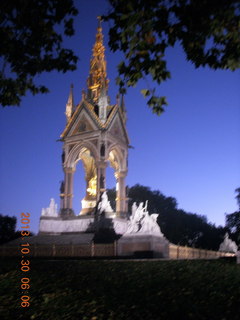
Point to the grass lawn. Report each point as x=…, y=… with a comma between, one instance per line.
x=101, y=290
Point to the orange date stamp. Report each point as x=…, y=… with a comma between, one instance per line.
x=25, y=262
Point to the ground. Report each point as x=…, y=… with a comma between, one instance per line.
x=101, y=290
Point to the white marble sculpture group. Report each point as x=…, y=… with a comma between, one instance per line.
x=51, y=211
x=141, y=222
x=104, y=204
x=228, y=245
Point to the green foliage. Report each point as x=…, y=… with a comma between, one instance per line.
x=7, y=228
x=31, y=43
x=208, y=32
x=100, y=290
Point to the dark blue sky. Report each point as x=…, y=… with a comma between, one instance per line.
x=191, y=152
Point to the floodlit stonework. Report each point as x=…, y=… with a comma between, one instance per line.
x=95, y=134
x=129, y=245
x=143, y=234
x=56, y=224
x=228, y=245
x=51, y=211
x=141, y=222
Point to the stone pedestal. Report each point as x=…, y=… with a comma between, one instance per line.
x=132, y=244
x=60, y=225
x=75, y=224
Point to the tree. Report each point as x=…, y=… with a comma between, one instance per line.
x=233, y=221
x=233, y=225
x=238, y=197
x=31, y=43
x=7, y=228
x=208, y=32
x=157, y=202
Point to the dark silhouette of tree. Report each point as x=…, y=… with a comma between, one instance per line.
x=31, y=43
x=112, y=197
x=7, y=228
x=233, y=221
x=208, y=32
x=156, y=200
x=238, y=197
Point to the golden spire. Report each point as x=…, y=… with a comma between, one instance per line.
x=97, y=81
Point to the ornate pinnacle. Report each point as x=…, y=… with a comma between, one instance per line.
x=69, y=105
x=97, y=79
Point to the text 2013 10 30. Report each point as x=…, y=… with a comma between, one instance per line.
x=25, y=262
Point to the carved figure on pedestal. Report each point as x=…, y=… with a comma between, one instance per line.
x=141, y=222
x=133, y=225
x=228, y=245
x=51, y=211
x=104, y=204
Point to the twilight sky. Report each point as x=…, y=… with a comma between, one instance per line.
x=191, y=152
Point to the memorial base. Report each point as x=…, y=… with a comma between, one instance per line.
x=143, y=245
x=76, y=224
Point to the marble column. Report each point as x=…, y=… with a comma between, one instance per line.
x=101, y=177
x=68, y=191
x=121, y=200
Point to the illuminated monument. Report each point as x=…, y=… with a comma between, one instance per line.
x=95, y=134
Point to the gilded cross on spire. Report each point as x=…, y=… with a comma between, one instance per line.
x=97, y=81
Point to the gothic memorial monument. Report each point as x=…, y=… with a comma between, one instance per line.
x=95, y=134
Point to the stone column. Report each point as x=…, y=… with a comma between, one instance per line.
x=68, y=192
x=121, y=200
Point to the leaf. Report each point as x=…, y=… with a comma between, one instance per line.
x=32, y=46
x=151, y=27
x=145, y=92
x=156, y=104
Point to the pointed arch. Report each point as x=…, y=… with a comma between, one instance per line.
x=117, y=158
x=73, y=156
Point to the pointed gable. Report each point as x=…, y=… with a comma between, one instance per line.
x=116, y=127
x=83, y=120
x=83, y=124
